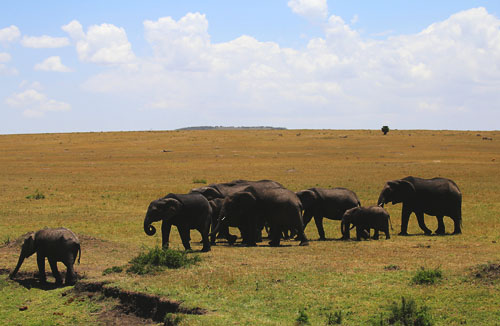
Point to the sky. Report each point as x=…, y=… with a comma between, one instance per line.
x=76, y=66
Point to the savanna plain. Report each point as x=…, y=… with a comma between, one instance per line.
x=100, y=184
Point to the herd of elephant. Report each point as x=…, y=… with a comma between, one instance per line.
x=252, y=206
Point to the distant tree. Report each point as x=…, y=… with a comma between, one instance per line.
x=385, y=130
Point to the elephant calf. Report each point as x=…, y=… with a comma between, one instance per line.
x=59, y=244
x=364, y=219
x=186, y=211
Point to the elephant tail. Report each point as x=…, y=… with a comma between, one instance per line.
x=79, y=253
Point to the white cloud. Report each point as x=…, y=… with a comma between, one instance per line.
x=35, y=104
x=4, y=57
x=438, y=78
x=312, y=9
x=52, y=64
x=102, y=44
x=44, y=42
x=9, y=34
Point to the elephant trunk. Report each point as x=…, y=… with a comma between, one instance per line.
x=148, y=228
x=19, y=263
x=381, y=200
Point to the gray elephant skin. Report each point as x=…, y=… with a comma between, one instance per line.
x=436, y=197
x=257, y=205
x=216, y=192
x=57, y=245
x=326, y=203
x=364, y=219
x=185, y=211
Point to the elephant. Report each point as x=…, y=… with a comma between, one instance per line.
x=216, y=191
x=186, y=211
x=364, y=219
x=216, y=205
x=436, y=197
x=257, y=205
x=328, y=203
x=59, y=244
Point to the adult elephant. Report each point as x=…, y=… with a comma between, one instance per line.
x=326, y=203
x=436, y=197
x=57, y=245
x=186, y=212
x=257, y=205
x=216, y=192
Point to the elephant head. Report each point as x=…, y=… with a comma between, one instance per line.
x=235, y=209
x=349, y=217
x=160, y=209
x=307, y=198
x=27, y=249
x=396, y=191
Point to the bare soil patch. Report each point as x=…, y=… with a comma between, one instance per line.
x=487, y=272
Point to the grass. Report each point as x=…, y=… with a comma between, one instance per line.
x=100, y=184
x=406, y=314
x=157, y=259
x=427, y=276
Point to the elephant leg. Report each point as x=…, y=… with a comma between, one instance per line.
x=457, y=223
x=185, y=237
x=70, y=272
x=165, y=234
x=440, y=229
x=386, y=231
x=40, y=260
x=405, y=217
x=359, y=233
x=205, y=240
x=375, y=234
x=421, y=223
x=275, y=236
x=319, y=226
x=55, y=271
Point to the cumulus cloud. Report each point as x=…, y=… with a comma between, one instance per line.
x=9, y=34
x=101, y=44
x=4, y=68
x=341, y=80
x=44, y=42
x=52, y=64
x=35, y=104
x=4, y=57
x=312, y=9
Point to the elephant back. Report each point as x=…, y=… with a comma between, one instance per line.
x=192, y=204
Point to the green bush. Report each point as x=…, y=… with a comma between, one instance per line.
x=114, y=269
x=427, y=276
x=406, y=314
x=157, y=259
x=303, y=318
x=37, y=195
x=172, y=319
x=334, y=318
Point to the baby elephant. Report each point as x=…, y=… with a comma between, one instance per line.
x=59, y=244
x=364, y=219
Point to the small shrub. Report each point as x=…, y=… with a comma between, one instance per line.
x=203, y=181
x=172, y=319
x=157, y=259
x=334, y=318
x=114, y=269
x=303, y=318
x=427, y=276
x=406, y=314
x=37, y=195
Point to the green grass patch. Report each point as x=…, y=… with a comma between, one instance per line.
x=203, y=181
x=427, y=276
x=114, y=269
x=37, y=195
x=157, y=259
x=408, y=313
x=303, y=318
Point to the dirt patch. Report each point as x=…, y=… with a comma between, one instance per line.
x=487, y=272
x=142, y=305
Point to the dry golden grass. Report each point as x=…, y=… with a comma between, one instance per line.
x=99, y=185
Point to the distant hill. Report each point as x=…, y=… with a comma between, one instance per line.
x=230, y=128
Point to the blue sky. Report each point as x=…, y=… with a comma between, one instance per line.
x=129, y=65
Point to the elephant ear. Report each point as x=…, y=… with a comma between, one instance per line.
x=402, y=190
x=307, y=198
x=244, y=200
x=171, y=207
x=28, y=247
